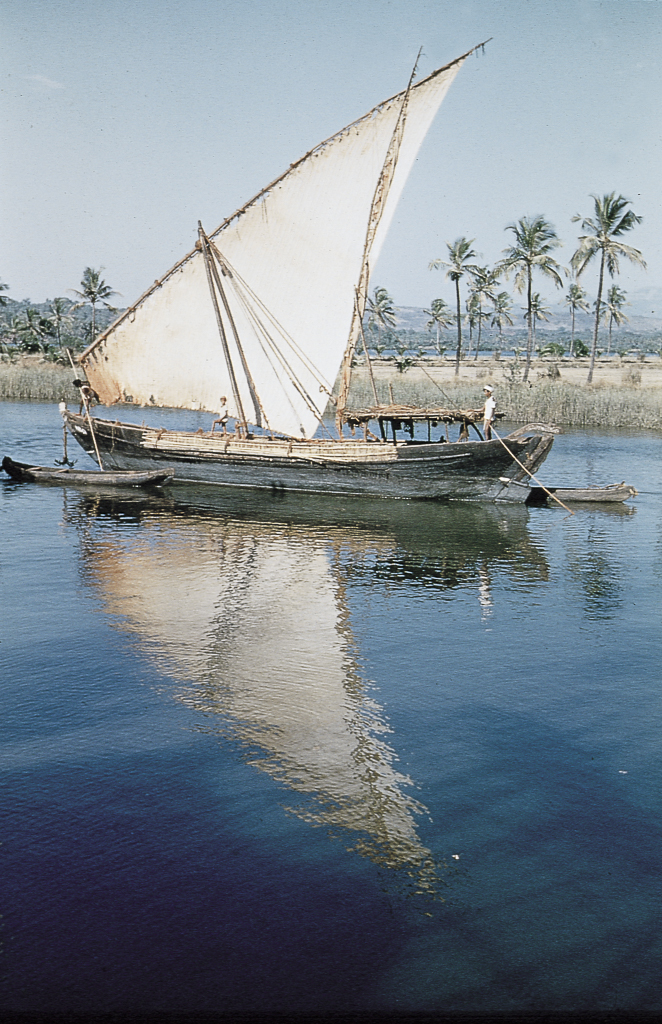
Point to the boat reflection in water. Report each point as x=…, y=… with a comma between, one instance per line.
x=242, y=600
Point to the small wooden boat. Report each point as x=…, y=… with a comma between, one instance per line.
x=610, y=493
x=83, y=477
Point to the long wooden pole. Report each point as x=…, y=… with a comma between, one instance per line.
x=535, y=479
x=89, y=418
x=257, y=404
x=241, y=422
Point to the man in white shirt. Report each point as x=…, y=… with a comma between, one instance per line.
x=488, y=411
x=222, y=416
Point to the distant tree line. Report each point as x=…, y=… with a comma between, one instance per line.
x=530, y=254
x=50, y=327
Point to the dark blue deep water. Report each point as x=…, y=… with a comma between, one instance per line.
x=309, y=756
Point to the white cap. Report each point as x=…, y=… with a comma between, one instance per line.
x=488, y=387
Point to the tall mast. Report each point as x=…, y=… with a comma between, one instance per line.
x=225, y=270
x=376, y=210
x=379, y=201
x=213, y=279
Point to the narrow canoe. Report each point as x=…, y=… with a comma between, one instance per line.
x=82, y=477
x=610, y=493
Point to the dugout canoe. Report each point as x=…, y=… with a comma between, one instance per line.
x=89, y=478
x=612, y=493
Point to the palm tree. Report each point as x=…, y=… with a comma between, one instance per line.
x=501, y=314
x=483, y=283
x=575, y=299
x=32, y=330
x=94, y=290
x=382, y=311
x=611, y=220
x=60, y=318
x=613, y=311
x=440, y=317
x=471, y=317
x=3, y=298
x=458, y=255
x=537, y=312
x=535, y=238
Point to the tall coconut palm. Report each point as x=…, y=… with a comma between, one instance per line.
x=483, y=283
x=60, y=317
x=501, y=313
x=471, y=317
x=382, y=312
x=459, y=254
x=535, y=238
x=613, y=310
x=576, y=300
x=611, y=219
x=441, y=317
x=537, y=312
x=93, y=290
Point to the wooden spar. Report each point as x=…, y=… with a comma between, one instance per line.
x=257, y=404
x=535, y=479
x=204, y=244
x=84, y=400
x=94, y=437
x=380, y=196
x=242, y=290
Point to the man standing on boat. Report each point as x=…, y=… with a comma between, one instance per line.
x=488, y=411
x=222, y=416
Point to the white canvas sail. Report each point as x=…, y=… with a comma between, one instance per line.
x=289, y=264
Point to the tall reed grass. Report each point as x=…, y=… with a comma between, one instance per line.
x=38, y=382
x=543, y=402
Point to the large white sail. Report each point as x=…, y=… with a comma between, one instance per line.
x=288, y=265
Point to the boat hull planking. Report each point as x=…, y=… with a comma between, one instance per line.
x=469, y=470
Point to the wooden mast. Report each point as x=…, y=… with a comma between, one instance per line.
x=376, y=211
x=212, y=278
x=225, y=270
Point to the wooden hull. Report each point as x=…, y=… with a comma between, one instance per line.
x=83, y=478
x=469, y=470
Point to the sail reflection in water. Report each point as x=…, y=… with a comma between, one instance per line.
x=250, y=614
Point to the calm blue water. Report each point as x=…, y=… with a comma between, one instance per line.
x=274, y=755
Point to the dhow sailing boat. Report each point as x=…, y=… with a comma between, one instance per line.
x=267, y=310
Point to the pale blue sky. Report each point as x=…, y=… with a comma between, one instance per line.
x=126, y=122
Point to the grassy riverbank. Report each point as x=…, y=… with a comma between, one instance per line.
x=613, y=401
x=622, y=396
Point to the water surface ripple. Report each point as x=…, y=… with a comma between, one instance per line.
x=312, y=755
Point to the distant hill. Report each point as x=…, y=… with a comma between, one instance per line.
x=413, y=318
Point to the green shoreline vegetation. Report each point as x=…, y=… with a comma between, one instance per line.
x=45, y=336
x=545, y=401
x=548, y=401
